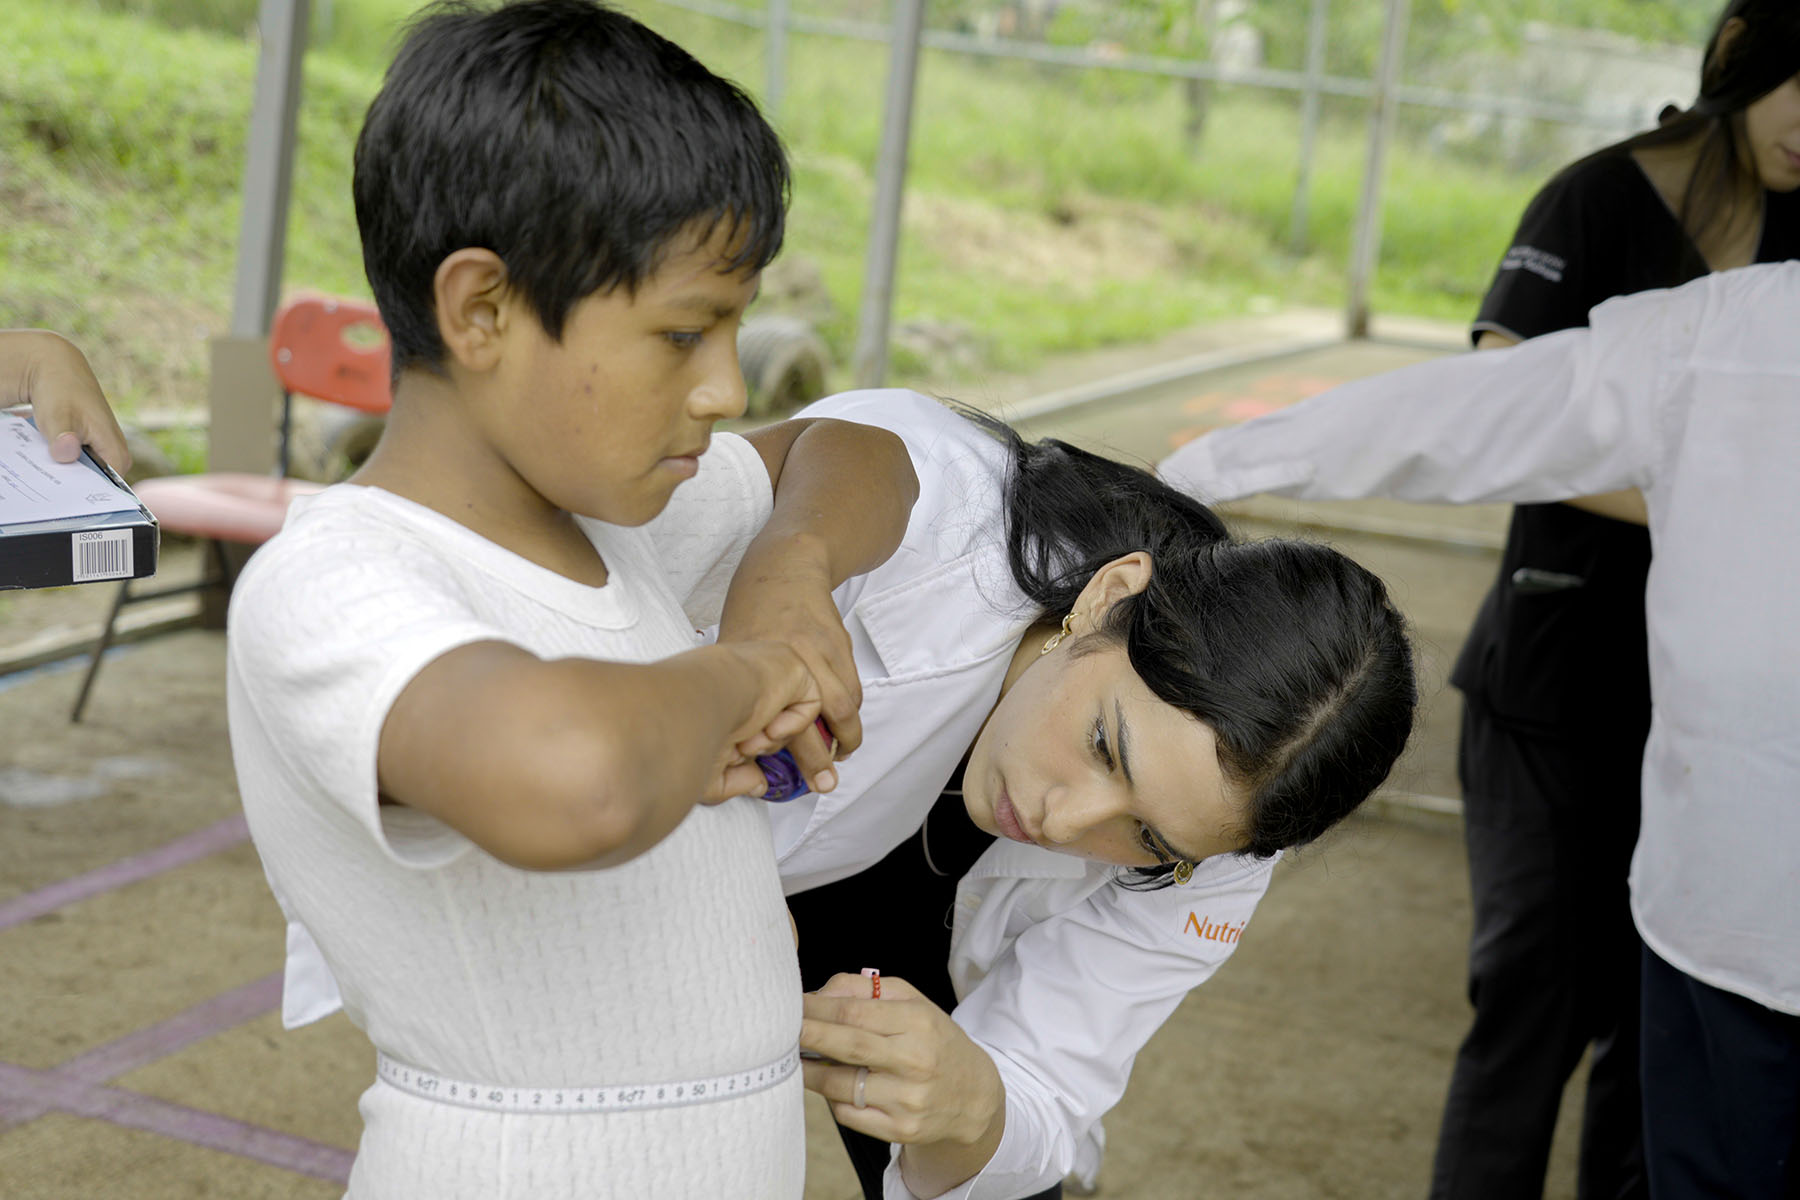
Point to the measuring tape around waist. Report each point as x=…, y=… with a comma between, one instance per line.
x=553, y=1101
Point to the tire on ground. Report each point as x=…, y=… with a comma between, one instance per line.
x=784, y=364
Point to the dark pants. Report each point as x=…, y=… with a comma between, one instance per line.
x=895, y=917
x=1553, y=967
x=1721, y=1091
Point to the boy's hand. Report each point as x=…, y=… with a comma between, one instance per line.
x=46, y=371
x=787, y=705
x=784, y=595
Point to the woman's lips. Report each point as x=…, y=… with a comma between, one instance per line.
x=1008, y=820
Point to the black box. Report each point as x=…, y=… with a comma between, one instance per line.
x=52, y=551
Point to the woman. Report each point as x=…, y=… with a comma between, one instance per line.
x=1127, y=717
x=1554, y=670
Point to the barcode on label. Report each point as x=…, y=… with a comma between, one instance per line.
x=102, y=554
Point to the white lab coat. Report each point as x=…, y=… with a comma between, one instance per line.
x=1692, y=395
x=1062, y=975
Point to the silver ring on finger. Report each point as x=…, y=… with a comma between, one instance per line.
x=862, y=1081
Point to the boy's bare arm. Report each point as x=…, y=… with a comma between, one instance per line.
x=843, y=491
x=576, y=762
x=843, y=494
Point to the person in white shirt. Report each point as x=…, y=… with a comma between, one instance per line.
x=1092, y=722
x=1691, y=396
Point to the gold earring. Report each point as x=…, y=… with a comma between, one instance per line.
x=1068, y=626
x=1184, y=871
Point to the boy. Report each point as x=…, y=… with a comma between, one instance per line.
x=469, y=761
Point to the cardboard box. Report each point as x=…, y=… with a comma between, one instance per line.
x=64, y=523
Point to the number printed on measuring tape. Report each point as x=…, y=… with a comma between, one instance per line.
x=102, y=554
x=614, y=1098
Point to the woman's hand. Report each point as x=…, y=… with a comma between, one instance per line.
x=927, y=1082
x=46, y=371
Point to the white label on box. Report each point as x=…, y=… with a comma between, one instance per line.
x=35, y=488
x=102, y=554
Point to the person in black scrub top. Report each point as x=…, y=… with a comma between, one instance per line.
x=1554, y=670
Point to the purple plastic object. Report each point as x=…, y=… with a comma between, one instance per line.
x=783, y=773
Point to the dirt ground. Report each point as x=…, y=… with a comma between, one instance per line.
x=140, y=1055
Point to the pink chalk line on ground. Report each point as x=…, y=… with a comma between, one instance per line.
x=210, y=840
x=78, y=1085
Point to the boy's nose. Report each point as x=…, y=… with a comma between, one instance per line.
x=723, y=394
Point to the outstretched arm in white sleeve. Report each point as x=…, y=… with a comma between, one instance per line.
x=1624, y=505
x=1568, y=414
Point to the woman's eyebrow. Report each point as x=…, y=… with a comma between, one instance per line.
x=1123, y=738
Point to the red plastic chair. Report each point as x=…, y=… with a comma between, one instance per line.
x=329, y=348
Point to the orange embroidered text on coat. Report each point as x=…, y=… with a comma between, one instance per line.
x=1210, y=930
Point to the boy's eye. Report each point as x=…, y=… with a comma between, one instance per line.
x=683, y=339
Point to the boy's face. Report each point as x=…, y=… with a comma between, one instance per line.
x=610, y=420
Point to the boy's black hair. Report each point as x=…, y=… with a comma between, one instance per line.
x=568, y=139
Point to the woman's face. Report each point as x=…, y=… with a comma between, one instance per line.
x=1772, y=132
x=1082, y=758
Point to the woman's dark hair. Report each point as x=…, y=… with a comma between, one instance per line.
x=568, y=139
x=1289, y=651
x=1734, y=74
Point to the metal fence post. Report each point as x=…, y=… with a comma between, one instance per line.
x=242, y=394
x=871, y=356
x=1309, y=123
x=269, y=165
x=775, y=68
x=1367, y=245
x=241, y=388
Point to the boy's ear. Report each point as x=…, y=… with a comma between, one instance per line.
x=472, y=302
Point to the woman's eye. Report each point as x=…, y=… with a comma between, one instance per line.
x=1149, y=842
x=683, y=339
x=1101, y=751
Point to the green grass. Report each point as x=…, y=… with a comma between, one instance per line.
x=122, y=126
